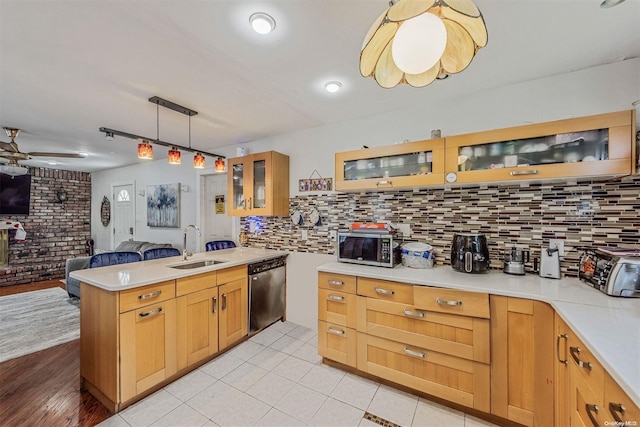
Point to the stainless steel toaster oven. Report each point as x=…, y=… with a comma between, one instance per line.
x=614, y=271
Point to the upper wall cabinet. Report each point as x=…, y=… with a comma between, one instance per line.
x=259, y=185
x=413, y=164
x=581, y=147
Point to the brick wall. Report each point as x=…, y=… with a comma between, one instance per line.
x=55, y=231
x=582, y=213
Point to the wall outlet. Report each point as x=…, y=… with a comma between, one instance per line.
x=333, y=235
x=305, y=235
x=252, y=227
x=405, y=229
x=557, y=244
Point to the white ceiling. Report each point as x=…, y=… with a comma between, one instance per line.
x=70, y=67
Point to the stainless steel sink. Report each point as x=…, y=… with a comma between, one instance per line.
x=196, y=264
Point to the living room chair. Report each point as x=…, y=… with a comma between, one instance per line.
x=156, y=253
x=216, y=245
x=113, y=258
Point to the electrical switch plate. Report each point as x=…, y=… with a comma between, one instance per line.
x=252, y=227
x=557, y=244
x=405, y=229
x=333, y=235
x=305, y=234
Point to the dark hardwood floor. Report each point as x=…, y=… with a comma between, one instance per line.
x=43, y=388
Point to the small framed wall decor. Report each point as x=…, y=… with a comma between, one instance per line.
x=315, y=184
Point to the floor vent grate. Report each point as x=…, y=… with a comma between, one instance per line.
x=381, y=421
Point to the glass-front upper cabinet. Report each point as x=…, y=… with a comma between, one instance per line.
x=258, y=185
x=586, y=146
x=412, y=164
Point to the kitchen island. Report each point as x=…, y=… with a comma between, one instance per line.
x=145, y=324
x=497, y=328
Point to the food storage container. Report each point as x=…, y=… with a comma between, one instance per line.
x=417, y=255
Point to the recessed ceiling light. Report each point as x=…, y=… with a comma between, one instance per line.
x=333, y=87
x=606, y=4
x=262, y=23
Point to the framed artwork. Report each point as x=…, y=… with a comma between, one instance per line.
x=163, y=205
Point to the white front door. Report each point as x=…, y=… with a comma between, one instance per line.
x=216, y=222
x=123, y=213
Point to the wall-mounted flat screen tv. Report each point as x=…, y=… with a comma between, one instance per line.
x=15, y=194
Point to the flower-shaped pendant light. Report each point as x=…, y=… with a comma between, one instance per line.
x=417, y=41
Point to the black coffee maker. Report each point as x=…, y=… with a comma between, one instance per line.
x=470, y=253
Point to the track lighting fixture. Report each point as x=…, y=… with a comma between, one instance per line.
x=145, y=144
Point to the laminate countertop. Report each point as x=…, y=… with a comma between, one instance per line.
x=608, y=326
x=135, y=274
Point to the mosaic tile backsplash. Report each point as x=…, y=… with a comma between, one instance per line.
x=528, y=214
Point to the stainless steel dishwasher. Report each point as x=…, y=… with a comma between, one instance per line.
x=267, y=282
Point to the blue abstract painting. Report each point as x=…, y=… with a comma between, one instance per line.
x=163, y=205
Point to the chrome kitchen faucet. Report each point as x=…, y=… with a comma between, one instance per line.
x=186, y=253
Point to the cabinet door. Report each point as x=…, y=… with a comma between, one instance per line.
x=584, y=146
x=239, y=179
x=197, y=334
x=561, y=372
x=147, y=347
x=413, y=164
x=337, y=342
x=585, y=398
x=259, y=185
x=522, y=343
x=234, y=312
x=618, y=406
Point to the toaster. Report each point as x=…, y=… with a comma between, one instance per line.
x=614, y=271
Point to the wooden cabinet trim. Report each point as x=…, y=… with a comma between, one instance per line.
x=198, y=282
x=337, y=282
x=231, y=274
x=475, y=304
x=131, y=299
x=386, y=290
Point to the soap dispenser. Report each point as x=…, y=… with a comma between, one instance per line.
x=550, y=263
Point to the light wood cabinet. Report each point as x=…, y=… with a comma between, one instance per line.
x=522, y=387
x=259, y=185
x=414, y=164
x=234, y=312
x=561, y=371
x=580, y=147
x=337, y=318
x=618, y=406
x=147, y=347
x=133, y=341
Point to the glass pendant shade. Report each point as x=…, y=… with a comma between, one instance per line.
x=198, y=161
x=416, y=41
x=145, y=151
x=219, y=166
x=13, y=169
x=174, y=156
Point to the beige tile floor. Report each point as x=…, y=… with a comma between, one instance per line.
x=276, y=378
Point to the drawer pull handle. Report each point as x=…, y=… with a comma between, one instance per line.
x=575, y=353
x=383, y=291
x=151, y=295
x=335, y=282
x=591, y=409
x=616, y=408
x=410, y=313
x=561, y=336
x=224, y=301
x=415, y=353
x=214, y=304
x=525, y=172
x=379, y=183
x=335, y=297
x=335, y=331
x=151, y=313
x=446, y=302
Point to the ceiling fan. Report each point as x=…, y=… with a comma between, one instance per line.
x=11, y=152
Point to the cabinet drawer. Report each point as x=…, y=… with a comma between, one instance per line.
x=337, y=307
x=337, y=282
x=199, y=282
x=139, y=297
x=582, y=360
x=586, y=404
x=231, y=274
x=385, y=290
x=618, y=405
x=458, y=380
x=461, y=336
x=337, y=343
x=475, y=304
